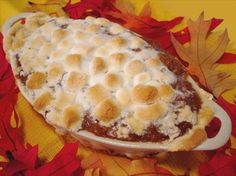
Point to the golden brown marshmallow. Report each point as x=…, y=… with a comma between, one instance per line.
x=80, y=36
x=82, y=49
x=65, y=44
x=58, y=54
x=93, y=28
x=71, y=115
x=96, y=93
x=134, y=67
x=101, y=21
x=123, y=96
x=76, y=80
x=73, y=60
x=59, y=34
x=107, y=110
x=153, y=62
x=63, y=99
x=38, y=42
x=166, y=92
x=54, y=71
x=145, y=94
x=136, y=42
x=141, y=78
x=118, y=42
x=97, y=65
x=98, y=40
x=117, y=60
x=42, y=101
x=116, y=29
x=112, y=81
x=47, y=48
x=36, y=80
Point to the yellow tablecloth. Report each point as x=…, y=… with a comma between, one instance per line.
x=36, y=131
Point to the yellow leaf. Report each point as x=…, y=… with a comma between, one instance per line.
x=93, y=172
x=125, y=6
x=230, y=96
x=52, y=7
x=118, y=166
x=146, y=11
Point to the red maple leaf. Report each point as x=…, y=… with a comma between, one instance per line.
x=156, y=32
x=20, y=160
x=89, y=7
x=64, y=163
x=24, y=161
x=8, y=96
x=11, y=147
x=231, y=110
x=220, y=164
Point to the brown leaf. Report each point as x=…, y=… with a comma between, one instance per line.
x=202, y=59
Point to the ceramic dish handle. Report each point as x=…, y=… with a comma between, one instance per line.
x=6, y=26
x=224, y=133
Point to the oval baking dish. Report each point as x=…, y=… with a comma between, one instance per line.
x=109, y=88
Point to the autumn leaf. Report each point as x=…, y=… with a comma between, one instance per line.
x=93, y=172
x=183, y=36
x=202, y=59
x=52, y=7
x=9, y=135
x=227, y=58
x=231, y=110
x=155, y=32
x=89, y=7
x=17, y=157
x=21, y=160
x=163, y=172
x=64, y=163
x=146, y=11
x=220, y=164
x=125, y=6
x=120, y=166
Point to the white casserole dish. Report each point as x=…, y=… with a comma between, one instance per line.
x=140, y=149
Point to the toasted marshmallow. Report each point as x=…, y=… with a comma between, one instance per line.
x=144, y=94
x=96, y=93
x=107, y=110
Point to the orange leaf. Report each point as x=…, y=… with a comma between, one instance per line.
x=120, y=166
x=202, y=59
x=93, y=172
